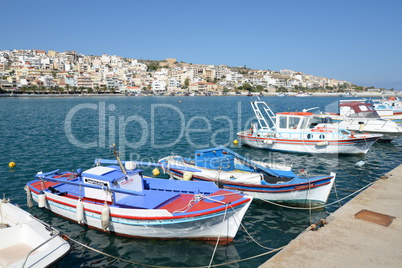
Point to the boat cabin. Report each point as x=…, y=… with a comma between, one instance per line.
x=293, y=120
x=358, y=110
x=111, y=177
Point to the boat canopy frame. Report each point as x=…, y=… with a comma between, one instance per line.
x=261, y=116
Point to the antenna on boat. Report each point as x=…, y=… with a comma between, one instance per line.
x=116, y=154
x=306, y=110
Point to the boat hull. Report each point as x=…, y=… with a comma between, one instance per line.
x=389, y=127
x=25, y=233
x=221, y=225
x=313, y=194
x=345, y=146
x=304, y=190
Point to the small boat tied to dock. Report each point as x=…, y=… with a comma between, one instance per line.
x=269, y=182
x=361, y=117
x=118, y=199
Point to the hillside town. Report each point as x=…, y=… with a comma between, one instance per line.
x=32, y=71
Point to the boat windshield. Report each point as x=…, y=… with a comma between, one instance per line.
x=283, y=122
x=304, y=122
x=294, y=122
x=290, y=122
x=362, y=110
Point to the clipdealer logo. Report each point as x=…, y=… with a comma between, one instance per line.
x=112, y=127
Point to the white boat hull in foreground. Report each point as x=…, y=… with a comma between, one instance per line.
x=26, y=241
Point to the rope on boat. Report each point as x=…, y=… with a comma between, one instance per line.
x=198, y=197
x=213, y=255
x=219, y=237
x=195, y=198
x=323, y=206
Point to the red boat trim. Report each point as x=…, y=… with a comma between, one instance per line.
x=189, y=215
x=312, y=182
x=310, y=142
x=223, y=240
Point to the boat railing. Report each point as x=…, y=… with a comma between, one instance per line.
x=261, y=117
x=53, y=232
x=94, y=186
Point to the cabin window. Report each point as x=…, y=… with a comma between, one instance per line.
x=282, y=122
x=304, y=122
x=294, y=122
x=363, y=108
x=345, y=110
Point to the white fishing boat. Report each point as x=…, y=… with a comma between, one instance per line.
x=273, y=182
x=361, y=117
x=301, y=132
x=303, y=94
x=388, y=108
x=26, y=241
x=116, y=198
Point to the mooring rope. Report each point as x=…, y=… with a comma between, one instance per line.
x=323, y=206
x=157, y=266
x=213, y=255
x=219, y=237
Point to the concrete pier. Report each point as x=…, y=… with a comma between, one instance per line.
x=354, y=241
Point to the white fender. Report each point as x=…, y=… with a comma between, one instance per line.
x=322, y=143
x=42, y=200
x=80, y=211
x=187, y=175
x=29, y=196
x=105, y=217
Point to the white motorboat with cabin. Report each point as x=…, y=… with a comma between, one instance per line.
x=361, y=117
x=301, y=132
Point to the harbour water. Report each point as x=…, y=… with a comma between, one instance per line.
x=48, y=133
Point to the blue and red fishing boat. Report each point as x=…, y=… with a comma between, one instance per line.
x=266, y=181
x=117, y=198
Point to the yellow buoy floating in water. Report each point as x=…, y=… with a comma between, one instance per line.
x=12, y=164
x=155, y=172
x=235, y=141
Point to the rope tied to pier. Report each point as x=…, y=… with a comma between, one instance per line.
x=67, y=238
x=323, y=206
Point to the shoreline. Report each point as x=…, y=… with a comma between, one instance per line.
x=355, y=95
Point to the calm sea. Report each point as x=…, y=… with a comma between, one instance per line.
x=47, y=133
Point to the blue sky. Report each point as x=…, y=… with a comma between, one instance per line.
x=355, y=40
